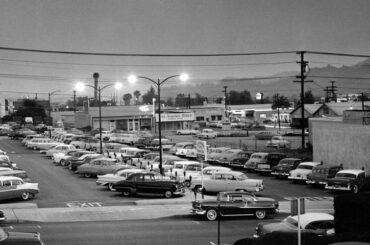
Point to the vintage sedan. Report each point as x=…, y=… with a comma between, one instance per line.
x=227, y=181
x=300, y=174
x=285, y=166
x=73, y=164
x=235, y=204
x=63, y=158
x=231, y=154
x=109, y=179
x=61, y=148
x=350, y=180
x=101, y=166
x=12, y=187
x=317, y=223
x=149, y=183
x=20, y=238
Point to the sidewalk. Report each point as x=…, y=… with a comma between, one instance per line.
x=143, y=209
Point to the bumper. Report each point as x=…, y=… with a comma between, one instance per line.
x=198, y=212
x=316, y=182
x=297, y=178
x=339, y=188
x=103, y=183
x=280, y=174
x=179, y=192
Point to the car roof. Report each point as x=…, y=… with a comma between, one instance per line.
x=2, y=178
x=326, y=166
x=310, y=163
x=352, y=171
x=186, y=162
x=307, y=218
x=216, y=168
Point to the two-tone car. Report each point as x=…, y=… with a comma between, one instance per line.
x=235, y=204
x=316, y=223
x=285, y=166
x=349, y=180
x=12, y=187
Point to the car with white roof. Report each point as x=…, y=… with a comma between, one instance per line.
x=300, y=174
x=12, y=187
x=62, y=148
x=321, y=224
x=349, y=180
x=227, y=181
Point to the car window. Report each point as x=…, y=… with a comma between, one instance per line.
x=218, y=176
x=6, y=183
x=322, y=224
x=148, y=177
x=16, y=182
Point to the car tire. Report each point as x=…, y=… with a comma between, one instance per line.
x=25, y=195
x=355, y=189
x=62, y=162
x=110, y=187
x=260, y=214
x=211, y=214
x=126, y=193
x=87, y=175
x=167, y=194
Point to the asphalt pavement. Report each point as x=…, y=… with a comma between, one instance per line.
x=141, y=209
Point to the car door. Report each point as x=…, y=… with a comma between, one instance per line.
x=7, y=191
x=233, y=205
x=145, y=185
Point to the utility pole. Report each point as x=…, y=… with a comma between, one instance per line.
x=362, y=101
x=225, y=92
x=74, y=101
x=327, y=97
x=277, y=107
x=302, y=80
x=333, y=93
x=189, y=100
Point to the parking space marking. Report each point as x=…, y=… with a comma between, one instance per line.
x=323, y=198
x=79, y=204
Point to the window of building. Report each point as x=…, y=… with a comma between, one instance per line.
x=200, y=118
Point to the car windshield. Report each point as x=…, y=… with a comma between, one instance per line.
x=193, y=167
x=286, y=162
x=346, y=175
x=305, y=166
x=242, y=177
x=289, y=220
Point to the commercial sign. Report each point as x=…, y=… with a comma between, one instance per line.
x=175, y=117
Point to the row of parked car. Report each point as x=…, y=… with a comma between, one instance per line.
x=330, y=176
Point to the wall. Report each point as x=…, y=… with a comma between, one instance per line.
x=337, y=142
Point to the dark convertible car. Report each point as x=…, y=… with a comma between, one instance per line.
x=150, y=183
x=236, y=204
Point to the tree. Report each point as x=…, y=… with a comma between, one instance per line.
x=169, y=102
x=239, y=98
x=280, y=102
x=308, y=97
x=126, y=98
x=136, y=96
x=30, y=108
x=180, y=100
x=198, y=100
x=148, y=96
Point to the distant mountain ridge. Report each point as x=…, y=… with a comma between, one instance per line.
x=347, y=80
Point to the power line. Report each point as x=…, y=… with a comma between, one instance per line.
x=356, y=78
x=140, y=55
x=338, y=54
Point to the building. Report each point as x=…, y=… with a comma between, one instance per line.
x=345, y=139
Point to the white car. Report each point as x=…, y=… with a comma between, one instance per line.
x=227, y=181
x=109, y=179
x=182, y=170
x=278, y=141
x=302, y=171
x=207, y=134
x=61, y=148
x=187, y=132
x=182, y=152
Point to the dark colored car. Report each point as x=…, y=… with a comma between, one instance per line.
x=350, y=180
x=285, y=165
x=320, y=174
x=272, y=160
x=21, y=238
x=150, y=183
x=238, y=163
x=235, y=204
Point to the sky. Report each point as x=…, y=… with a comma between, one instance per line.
x=169, y=27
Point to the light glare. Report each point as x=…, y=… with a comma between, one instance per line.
x=80, y=86
x=184, y=77
x=132, y=79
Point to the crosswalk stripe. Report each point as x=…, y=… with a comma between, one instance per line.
x=323, y=198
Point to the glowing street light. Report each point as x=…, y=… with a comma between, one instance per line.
x=183, y=77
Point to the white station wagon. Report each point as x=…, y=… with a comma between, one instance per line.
x=13, y=187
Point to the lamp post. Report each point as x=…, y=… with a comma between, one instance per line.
x=50, y=94
x=80, y=87
x=158, y=83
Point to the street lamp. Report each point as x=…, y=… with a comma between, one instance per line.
x=183, y=77
x=50, y=94
x=80, y=86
